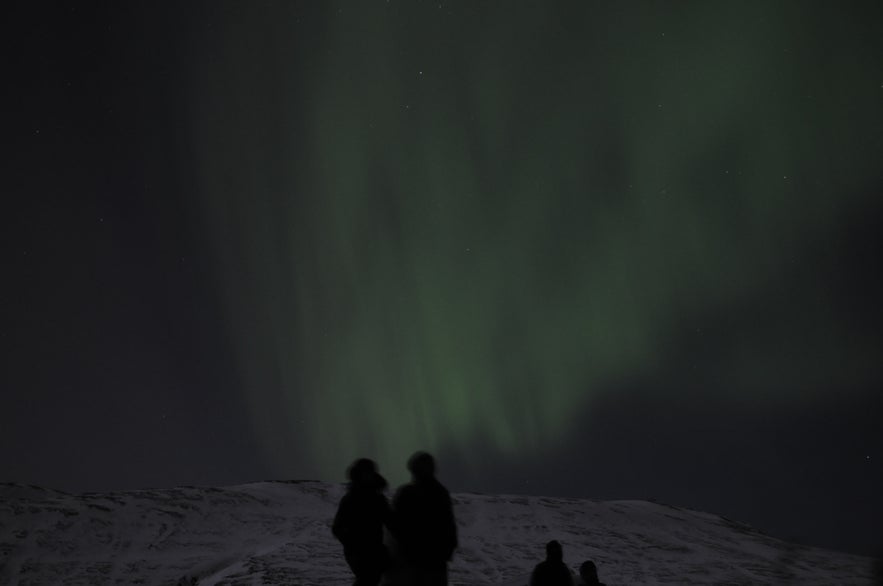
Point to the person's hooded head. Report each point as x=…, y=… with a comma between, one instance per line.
x=363, y=475
x=589, y=572
x=422, y=466
x=554, y=552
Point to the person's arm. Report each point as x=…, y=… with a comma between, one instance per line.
x=340, y=528
x=451, y=522
x=401, y=515
x=534, y=581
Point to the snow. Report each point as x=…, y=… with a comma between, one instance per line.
x=279, y=533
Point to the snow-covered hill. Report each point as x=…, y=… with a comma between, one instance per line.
x=278, y=533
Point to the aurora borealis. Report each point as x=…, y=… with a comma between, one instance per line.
x=449, y=225
x=592, y=249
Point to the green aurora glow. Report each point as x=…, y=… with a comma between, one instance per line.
x=456, y=226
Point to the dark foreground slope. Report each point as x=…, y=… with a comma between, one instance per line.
x=278, y=533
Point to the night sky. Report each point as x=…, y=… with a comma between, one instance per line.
x=592, y=249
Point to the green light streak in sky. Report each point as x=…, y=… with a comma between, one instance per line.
x=448, y=228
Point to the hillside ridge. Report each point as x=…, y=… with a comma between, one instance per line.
x=278, y=532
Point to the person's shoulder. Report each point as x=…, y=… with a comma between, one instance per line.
x=403, y=491
x=437, y=487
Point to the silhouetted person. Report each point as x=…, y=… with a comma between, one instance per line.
x=359, y=522
x=588, y=573
x=423, y=525
x=552, y=571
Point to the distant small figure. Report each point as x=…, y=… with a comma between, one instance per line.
x=359, y=523
x=553, y=571
x=423, y=525
x=588, y=574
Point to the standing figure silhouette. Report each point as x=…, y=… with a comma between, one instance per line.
x=552, y=571
x=359, y=523
x=588, y=573
x=423, y=525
